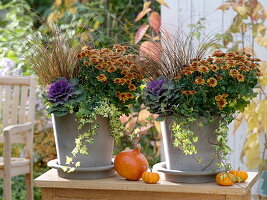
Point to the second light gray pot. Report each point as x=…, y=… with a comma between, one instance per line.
x=66, y=131
x=177, y=160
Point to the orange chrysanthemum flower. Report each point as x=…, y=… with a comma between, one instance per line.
x=219, y=77
x=129, y=76
x=219, y=60
x=234, y=72
x=129, y=95
x=189, y=92
x=127, y=81
x=244, y=68
x=188, y=73
x=112, y=69
x=99, y=67
x=210, y=59
x=203, y=69
x=194, y=68
x=177, y=77
x=225, y=67
x=253, y=65
x=221, y=103
x=102, y=78
x=211, y=82
x=193, y=92
x=240, y=77
x=123, y=97
x=218, y=97
x=186, y=92
x=132, y=87
x=118, y=81
x=125, y=72
x=200, y=81
x=214, y=68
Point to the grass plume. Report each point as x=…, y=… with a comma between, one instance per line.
x=53, y=54
x=173, y=53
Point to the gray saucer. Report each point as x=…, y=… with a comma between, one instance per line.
x=185, y=176
x=83, y=172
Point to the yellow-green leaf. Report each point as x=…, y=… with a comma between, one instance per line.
x=237, y=122
x=96, y=25
x=162, y=2
x=57, y=2
x=68, y=160
x=146, y=5
x=242, y=10
x=72, y=169
x=142, y=14
x=261, y=41
x=224, y=7
x=251, y=151
x=78, y=164
x=72, y=10
x=64, y=168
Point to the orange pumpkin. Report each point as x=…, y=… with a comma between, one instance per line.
x=131, y=164
x=225, y=179
x=150, y=177
x=239, y=175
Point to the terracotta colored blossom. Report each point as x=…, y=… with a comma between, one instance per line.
x=189, y=92
x=221, y=103
x=132, y=87
x=218, y=97
x=240, y=77
x=219, y=77
x=177, y=77
x=225, y=67
x=200, y=81
x=118, y=81
x=203, y=69
x=214, y=68
x=112, y=69
x=102, y=78
x=225, y=95
x=211, y=82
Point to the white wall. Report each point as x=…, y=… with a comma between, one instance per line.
x=185, y=12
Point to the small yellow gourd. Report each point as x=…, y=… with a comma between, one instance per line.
x=239, y=175
x=150, y=177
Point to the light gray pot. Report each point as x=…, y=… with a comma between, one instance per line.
x=177, y=160
x=99, y=153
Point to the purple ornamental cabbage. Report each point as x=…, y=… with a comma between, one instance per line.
x=59, y=91
x=155, y=87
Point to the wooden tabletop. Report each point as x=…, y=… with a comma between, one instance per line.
x=50, y=179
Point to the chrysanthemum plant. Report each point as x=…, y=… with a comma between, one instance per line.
x=216, y=88
x=87, y=82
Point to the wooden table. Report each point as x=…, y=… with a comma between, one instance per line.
x=117, y=188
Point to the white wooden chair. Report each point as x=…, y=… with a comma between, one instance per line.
x=17, y=110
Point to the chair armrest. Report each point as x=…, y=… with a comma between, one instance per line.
x=18, y=128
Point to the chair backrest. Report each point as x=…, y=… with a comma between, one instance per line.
x=17, y=100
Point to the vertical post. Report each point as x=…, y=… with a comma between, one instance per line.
x=7, y=166
x=29, y=152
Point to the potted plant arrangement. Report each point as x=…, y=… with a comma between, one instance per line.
x=197, y=99
x=86, y=92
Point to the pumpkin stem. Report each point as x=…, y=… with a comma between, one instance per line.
x=238, y=169
x=138, y=148
x=150, y=169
